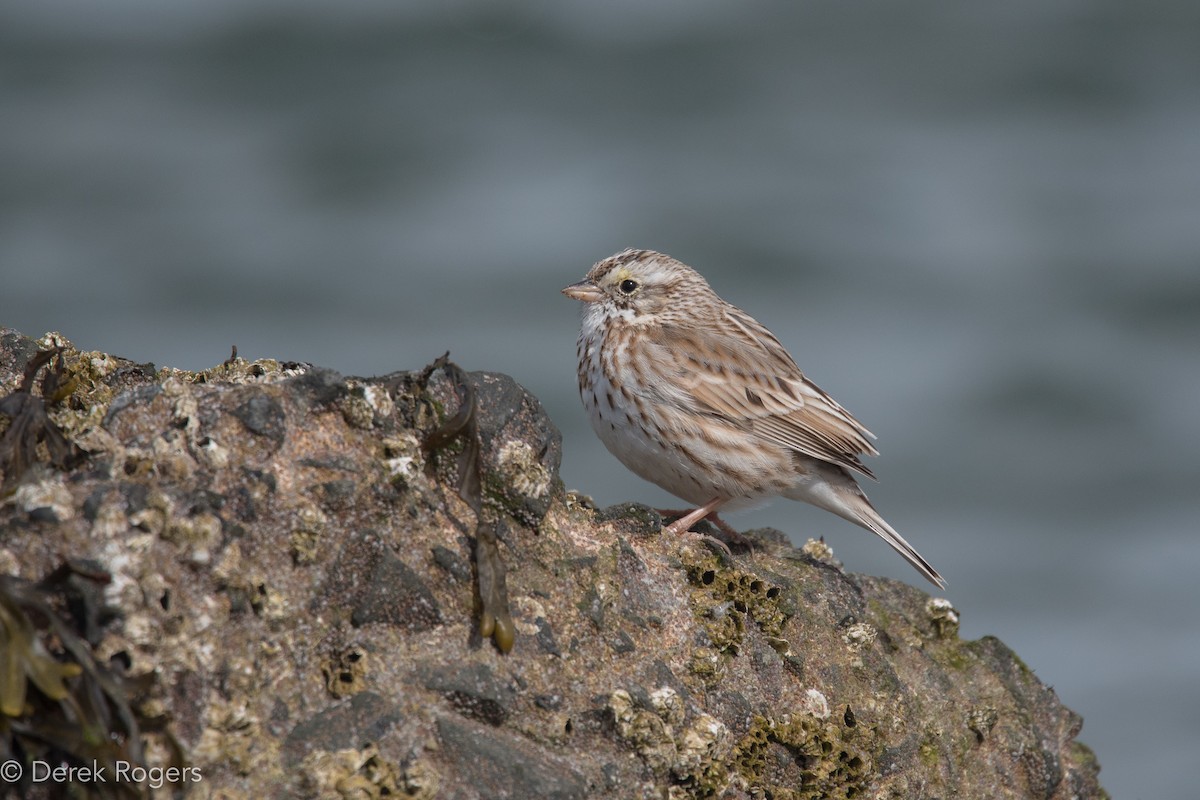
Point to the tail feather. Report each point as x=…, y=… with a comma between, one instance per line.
x=834, y=490
x=869, y=518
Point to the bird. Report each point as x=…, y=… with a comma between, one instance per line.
x=693, y=394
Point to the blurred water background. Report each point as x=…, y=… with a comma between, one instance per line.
x=976, y=225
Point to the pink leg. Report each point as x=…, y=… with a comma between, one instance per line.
x=685, y=523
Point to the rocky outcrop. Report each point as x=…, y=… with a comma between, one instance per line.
x=270, y=580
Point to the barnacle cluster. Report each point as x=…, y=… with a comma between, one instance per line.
x=789, y=757
x=801, y=757
x=692, y=753
x=724, y=597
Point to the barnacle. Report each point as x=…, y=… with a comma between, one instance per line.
x=724, y=597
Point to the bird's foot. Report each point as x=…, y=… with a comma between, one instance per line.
x=687, y=518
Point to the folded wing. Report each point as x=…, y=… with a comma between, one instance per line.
x=737, y=370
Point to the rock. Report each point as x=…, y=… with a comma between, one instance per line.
x=366, y=717
x=493, y=766
x=473, y=690
x=452, y=563
x=263, y=416
x=545, y=637
x=377, y=586
x=273, y=571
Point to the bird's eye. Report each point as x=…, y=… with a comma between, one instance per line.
x=628, y=286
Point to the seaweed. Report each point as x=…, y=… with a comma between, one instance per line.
x=495, y=621
x=30, y=424
x=57, y=705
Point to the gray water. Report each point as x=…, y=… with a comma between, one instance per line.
x=976, y=225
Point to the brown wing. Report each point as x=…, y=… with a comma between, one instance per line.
x=736, y=369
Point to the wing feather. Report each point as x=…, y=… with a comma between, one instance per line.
x=737, y=370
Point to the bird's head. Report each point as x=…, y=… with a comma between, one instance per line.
x=640, y=286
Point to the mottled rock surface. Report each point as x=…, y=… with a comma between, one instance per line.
x=277, y=581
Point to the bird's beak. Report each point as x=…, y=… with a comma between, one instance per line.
x=586, y=291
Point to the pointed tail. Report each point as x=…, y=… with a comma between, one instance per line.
x=835, y=490
x=869, y=518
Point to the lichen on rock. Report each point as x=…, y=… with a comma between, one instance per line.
x=290, y=593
